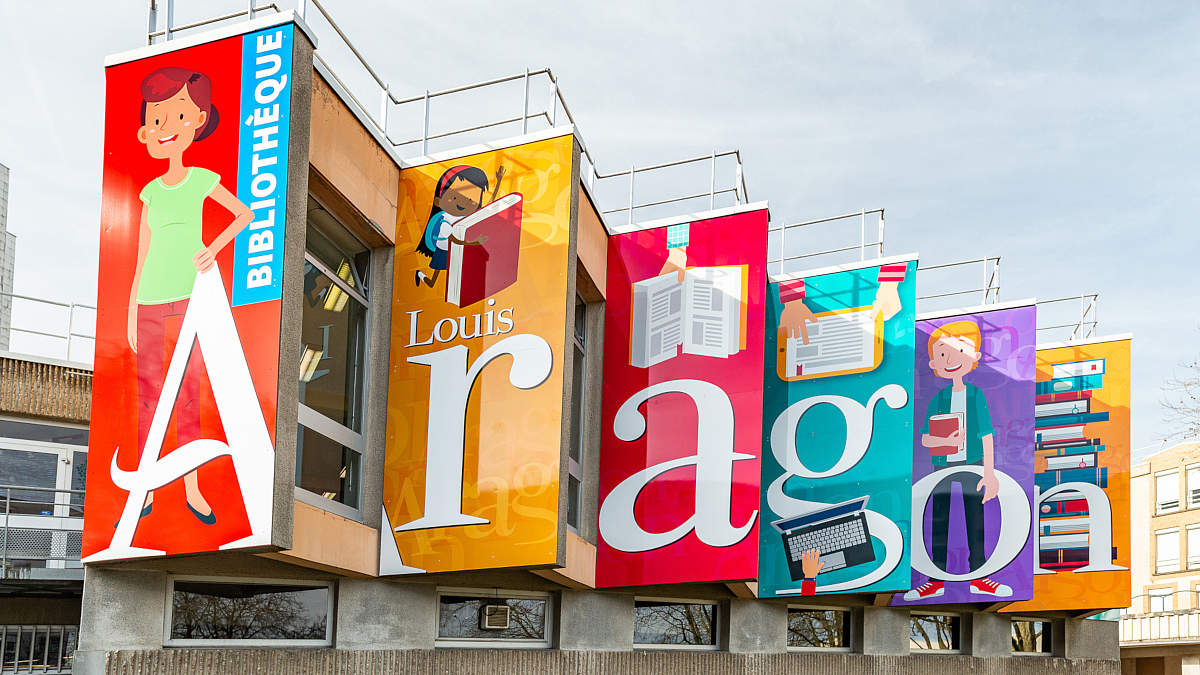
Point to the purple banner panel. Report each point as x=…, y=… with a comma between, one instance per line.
x=973, y=457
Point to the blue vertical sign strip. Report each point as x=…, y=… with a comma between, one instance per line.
x=262, y=163
x=837, y=441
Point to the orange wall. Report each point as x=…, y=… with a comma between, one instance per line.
x=326, y=541
x=592, y=241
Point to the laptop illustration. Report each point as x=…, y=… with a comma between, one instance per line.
x=838, y=531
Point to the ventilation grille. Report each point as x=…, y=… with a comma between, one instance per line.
x=494, y=617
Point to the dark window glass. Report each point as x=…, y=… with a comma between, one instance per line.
x=573, y=498
x=934, y=631
x=28, y=469
x=78, y=480
x=1031, y=637
x=204, y=610
x=332, y=344
x=674, y=623
x=332, y=244
x=828, y=628
x=47, y=433
x=460, y=617
x=327, y=468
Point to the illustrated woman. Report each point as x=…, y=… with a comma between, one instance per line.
x=176, y=111
x=458, y=193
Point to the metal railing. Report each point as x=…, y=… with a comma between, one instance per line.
x=39, y=528
x=1085, y=327
x=62, y=335
x=989, y=291
x=784, y=230
x=44, y=649
x=535, y=111
x=1165, y=626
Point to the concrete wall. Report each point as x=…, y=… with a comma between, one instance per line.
x=122, y=610
x=566, y=662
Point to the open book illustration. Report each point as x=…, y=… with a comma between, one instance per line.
x=478, y=271
x=701, y=315
x=841, y=342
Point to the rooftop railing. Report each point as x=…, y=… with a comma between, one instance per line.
x=1085, y=326
x=988, y=292
x=52, y=329
x=414, y=126
x=780, y=257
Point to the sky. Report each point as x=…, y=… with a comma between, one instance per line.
x=1058, y=136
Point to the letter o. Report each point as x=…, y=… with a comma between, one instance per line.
x=1014, y=524
x=437, y=329
x=256, y=187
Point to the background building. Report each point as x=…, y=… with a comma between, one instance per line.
x=8, y=252
x=1160, y=631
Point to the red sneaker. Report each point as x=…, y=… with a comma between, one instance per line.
x=929, y=589
x=986, y=586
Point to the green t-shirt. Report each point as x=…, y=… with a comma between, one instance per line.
x=176, y=225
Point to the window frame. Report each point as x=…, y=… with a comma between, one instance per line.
x=547, y=642
x=1166, y=592
x=1158, y=502
x=718, y=625
x=169, y=611
x=317, y=422
x=1158, y=567
x=575, y=468
x=1188, y=490
x=60, y=520
x=848, y=625
x=1049, y=651
x=958, y=638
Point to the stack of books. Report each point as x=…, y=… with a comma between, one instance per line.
x=1068, y=451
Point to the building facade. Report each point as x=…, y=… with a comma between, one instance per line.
x=1160, y=631
x=404, y=459
x=8, y=255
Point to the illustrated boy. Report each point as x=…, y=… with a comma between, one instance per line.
x=954, y=351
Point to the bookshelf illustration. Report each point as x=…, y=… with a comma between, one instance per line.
x=1069, y=450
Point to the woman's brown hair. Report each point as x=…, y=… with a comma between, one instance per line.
x=164, y=83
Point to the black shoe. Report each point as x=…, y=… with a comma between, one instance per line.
x=145, y=512
x=210, y=519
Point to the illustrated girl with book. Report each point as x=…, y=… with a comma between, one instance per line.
x=176, y=111
x=459, y=192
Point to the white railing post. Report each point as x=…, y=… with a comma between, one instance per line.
x=250, y=10
x=632, y=172
x=525, y=106
x=425, y=130
x=712, y=182
x=986, y=281
x=301, y=6
x=737, y=183
x=880, y=233
x=70, y=328
x=553, y=100
x=170, y=19
x=862, y=245
x=151, y=21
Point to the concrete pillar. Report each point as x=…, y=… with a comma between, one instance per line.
x=990, y=635
x=592, y=621
x=121, y=609
x=885, y=631
x=379, y=614
x=756, y=626
x=1091, y=639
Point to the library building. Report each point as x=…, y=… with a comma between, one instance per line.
x=426, y=390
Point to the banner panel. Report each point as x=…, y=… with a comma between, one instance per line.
x=839, y=413
x=682, y=409
x=1081, y=532
x=479, y=329
x=973, y=458
x=182, y=455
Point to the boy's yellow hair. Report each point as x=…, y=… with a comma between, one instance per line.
x=965, y=330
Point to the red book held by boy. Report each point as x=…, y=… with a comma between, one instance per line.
x=482, y=269
x=942, y=426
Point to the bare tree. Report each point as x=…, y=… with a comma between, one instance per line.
x=1181, y=398
x=262, y=616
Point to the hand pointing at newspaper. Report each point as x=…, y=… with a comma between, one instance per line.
x=676, y=262
x=794, y=320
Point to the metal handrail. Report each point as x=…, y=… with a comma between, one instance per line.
x=71, y=332
x=991, y=279
x=861, y=247
x=60, y=505
x=389, y=102
x=1085, y=327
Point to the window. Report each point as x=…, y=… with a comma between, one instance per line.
x=1193, y=547
x=37, y=649
x=216, y=612
x=578, y=389
x=42, y=464
x=1193, y=486
x=468, y=618
x=818, y=628
x=1161, y=599
x=675, y=624
x=1032, y=636
x=935, y=632
x=1166, y=551
x=1166, y=490
x=332, y=353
